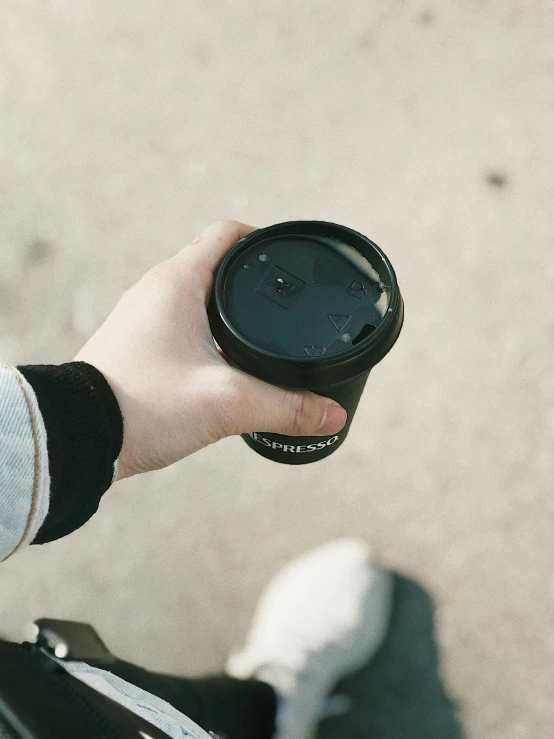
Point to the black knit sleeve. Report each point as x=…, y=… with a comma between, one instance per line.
x=84, y=430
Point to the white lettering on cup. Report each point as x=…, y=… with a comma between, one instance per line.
x=290, y=448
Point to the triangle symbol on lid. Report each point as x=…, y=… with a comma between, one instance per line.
x=339, y=322
x=314, y=351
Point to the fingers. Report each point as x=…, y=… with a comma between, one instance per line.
x=208, y=249
x=191, y=271
x=258, y=406
x=196, y=263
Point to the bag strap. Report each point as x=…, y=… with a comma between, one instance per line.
x=39, y=699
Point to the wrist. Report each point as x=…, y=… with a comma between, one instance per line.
x=84, y=429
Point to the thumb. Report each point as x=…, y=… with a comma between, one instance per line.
x=268, y=408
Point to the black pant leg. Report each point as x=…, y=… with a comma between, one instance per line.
x=237, y=709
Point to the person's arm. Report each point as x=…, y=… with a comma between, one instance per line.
x=149, y=388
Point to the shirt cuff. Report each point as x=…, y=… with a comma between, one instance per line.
x=24, y=475
x=84, y=431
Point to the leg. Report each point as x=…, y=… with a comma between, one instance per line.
x=323, y=617
x=235, y=709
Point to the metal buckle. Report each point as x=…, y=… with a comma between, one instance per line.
x=69, y=640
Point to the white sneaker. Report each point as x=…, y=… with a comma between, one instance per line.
x=322, y=617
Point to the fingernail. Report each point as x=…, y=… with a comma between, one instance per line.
x=196, y=240
x=333, y=420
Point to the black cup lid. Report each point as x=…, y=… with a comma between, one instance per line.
x=305, y=304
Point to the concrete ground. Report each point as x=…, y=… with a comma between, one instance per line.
x=127, y=127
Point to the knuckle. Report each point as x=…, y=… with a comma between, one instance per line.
x=167, y=277
x=154, y=285
x=302, y=414
x=227, y=227
x=226, y=223
x=156, y=275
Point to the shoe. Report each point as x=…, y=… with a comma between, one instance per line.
x=322, y=617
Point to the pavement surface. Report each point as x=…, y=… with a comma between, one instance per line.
x=126, y=128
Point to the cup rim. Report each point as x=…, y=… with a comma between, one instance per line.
x=229, y=337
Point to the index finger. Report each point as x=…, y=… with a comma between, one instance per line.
x=214, y=242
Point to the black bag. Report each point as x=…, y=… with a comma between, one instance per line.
x=39, y=699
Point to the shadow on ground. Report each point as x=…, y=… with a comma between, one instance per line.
x=399, y=695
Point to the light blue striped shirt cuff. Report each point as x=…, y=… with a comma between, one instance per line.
x=24, y=473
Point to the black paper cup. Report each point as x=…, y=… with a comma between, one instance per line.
x=307, y=305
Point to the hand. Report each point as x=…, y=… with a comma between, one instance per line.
x=175, y=391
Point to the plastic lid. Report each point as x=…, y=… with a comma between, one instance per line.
x=306, y=304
